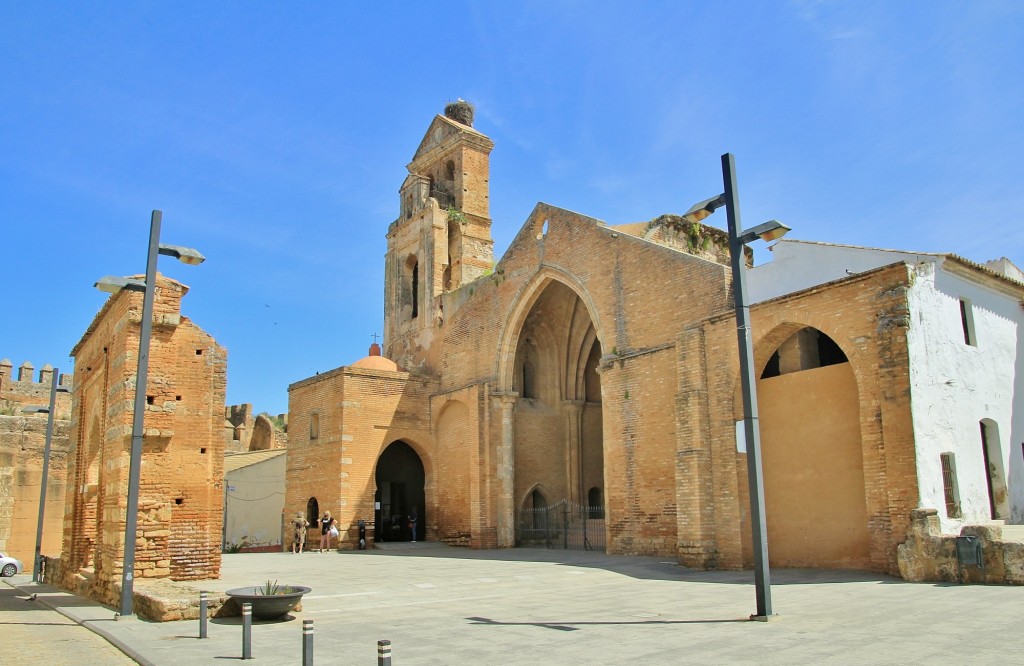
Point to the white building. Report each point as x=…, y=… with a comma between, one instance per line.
x=253, y=500
x=966, y=348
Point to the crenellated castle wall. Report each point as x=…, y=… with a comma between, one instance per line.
x=22, y=444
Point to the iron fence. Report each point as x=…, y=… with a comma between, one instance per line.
x=566, y=525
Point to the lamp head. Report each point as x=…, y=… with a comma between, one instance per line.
x=185, y=255
x=774, y=230
x=766, y=231
x=112, y=284
x=704, y=209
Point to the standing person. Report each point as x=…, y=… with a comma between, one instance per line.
x=326, y=527
x=299, y=539
x=412, y=523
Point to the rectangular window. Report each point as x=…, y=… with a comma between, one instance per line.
x=314, y=425
x=967, y=321
x=949, y=485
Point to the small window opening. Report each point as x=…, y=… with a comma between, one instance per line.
x=179, y=500
x=199, y=352
x=967, y=321
x=449, y=170
x=150, y=399
x=529, y=380
x=595, y=505
x=314, y=426
x=415, y=290
x=202, y=449
x=178, y=398
x=949, y=488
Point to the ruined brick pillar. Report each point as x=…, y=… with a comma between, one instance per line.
x=505, y=472
x=180, y=487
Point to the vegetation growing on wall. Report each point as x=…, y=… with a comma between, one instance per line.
x=278, y=421
x=456, y=215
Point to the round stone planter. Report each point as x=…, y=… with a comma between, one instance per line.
x=269, y=606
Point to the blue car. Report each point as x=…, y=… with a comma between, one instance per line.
x=9, y=566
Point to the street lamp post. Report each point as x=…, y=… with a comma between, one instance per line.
x=37, y=561
x=148, y=288
x=738, y=239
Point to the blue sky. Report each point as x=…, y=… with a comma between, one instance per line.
x=274, y=139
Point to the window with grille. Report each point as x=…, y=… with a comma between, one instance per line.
x=949, y=485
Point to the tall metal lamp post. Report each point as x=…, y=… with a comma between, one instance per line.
x=738, y=239
x=37, y=561
x=113, y=285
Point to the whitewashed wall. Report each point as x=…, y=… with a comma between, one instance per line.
x=955, y=385
x=797, y=265
x=253, y=503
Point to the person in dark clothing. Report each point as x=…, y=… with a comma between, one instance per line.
x=412, y=523
x=327, y=530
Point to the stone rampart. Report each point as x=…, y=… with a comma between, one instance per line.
x=22, y=443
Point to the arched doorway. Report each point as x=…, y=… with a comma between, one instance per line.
x=400, y=479
x=558, y=419
x=313, y=518
x=815, y=500
x=995, y=478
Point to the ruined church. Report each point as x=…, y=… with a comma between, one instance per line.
x=594, y=368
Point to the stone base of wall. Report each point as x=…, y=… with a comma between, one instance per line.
x=930, y=555
x=166, y=601
x=272, y=548
x=159, y=600
x=462, y=540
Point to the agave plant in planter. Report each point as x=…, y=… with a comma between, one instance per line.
x=269, y=600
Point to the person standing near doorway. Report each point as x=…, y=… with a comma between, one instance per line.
x=299, y=539
x=327, y=530
x=412, y=523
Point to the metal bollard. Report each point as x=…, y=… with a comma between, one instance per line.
x=246, y=631
x=383, y=653
x=307, y=643
x=202, y=615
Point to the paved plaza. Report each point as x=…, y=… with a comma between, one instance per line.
x=440, y=605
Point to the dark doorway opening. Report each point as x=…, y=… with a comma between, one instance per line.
x=399, y=491
x=313, y=518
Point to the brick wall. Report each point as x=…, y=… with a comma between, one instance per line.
x=654, y=430
x=180, y=487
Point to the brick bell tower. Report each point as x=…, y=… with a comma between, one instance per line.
x=442, y=237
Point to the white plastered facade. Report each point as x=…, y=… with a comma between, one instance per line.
x=955, y=385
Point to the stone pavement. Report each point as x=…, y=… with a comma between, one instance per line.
x=32, y=632
x=440, y=605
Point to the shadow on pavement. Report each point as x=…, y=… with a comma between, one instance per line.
x=641, y=567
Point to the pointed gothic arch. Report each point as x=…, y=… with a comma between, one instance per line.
x=812, y=451
x=547, y=358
